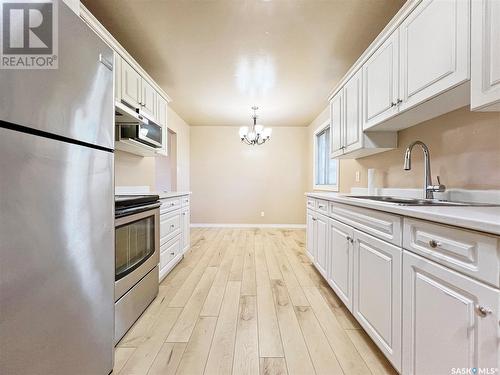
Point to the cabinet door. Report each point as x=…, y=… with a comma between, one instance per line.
x=148, y=100
x=185, y=232
x=352, y=109
x=380, y=83
x=377, y=293
x=161, y=111
x=442, y=326
x=161, y=118
x=310, y=219
x=336, y=125
x=434, y=50
x=340, y=260
x=321, y=244
x=485, y=55
x=130, y=85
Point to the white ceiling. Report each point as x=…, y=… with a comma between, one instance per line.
x=216, y=59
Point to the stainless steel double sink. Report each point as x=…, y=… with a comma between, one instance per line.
x=418, y=202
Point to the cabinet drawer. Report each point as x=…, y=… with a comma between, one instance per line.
x=170, y=225
x=169, y=251
x=472, y=253
x=311, y=203
x=185, y=201
x=170, y=204
x=322, y=206
x=382, y=225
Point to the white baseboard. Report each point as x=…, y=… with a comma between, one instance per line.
x=217, y=225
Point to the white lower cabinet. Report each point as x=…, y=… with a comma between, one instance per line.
x=310, y=234
x=450, y=321
x=340, y=260
x=377, y=293
x=185, y=229
x=427, y=307
x=321, y=243
x=174, y=232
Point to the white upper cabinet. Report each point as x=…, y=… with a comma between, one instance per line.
x=449, y=320
x=419, y=67
x=336, y=125
x=161, y=119
x=485, y=55
x=434, y=50
x=352, y=114
x=130, y=85
x=347, y=139
x=148, y=100
x=380, y=78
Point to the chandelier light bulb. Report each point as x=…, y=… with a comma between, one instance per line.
x=259, y=129
x=267, y=133
x=243, y=131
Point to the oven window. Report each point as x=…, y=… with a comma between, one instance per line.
x=134, y=244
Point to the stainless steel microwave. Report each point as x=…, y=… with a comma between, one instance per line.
x=134, y=126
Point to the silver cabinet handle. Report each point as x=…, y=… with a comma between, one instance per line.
x=350, y=239
x=172, y=204
x=482, y=311
x=399, y=101
x=321, y=206
x=393, y=104
x=172, y=225
x=434, y=244
x=184, y=214
x=172, y=253
x=314, y=219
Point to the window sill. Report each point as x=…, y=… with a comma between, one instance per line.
x=326, y=187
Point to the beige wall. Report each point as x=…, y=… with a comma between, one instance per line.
x=233, y=182
x=133, y=170
x=464, y=147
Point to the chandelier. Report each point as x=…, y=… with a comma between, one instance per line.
x=255, y=134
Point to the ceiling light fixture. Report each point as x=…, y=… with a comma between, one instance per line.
x=256, y=134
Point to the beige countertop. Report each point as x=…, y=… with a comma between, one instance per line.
x=171, y=194
x=484, y=219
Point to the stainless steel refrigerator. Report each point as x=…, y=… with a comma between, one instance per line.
x=57, y=210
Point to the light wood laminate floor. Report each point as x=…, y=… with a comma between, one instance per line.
x=247, y=301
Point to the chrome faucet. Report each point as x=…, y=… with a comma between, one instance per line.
x=429, y=188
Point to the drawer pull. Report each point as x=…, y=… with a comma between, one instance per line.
x=172, y=253
x=314, y=219
x=172, y=204
x=434, y=244
x=482, y=311
x=172, y=225
x=321, y=206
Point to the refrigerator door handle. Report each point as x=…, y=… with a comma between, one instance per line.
x=105, y=62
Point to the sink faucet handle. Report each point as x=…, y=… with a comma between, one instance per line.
x=439, y=187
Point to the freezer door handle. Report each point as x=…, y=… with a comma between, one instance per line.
x=108, y=64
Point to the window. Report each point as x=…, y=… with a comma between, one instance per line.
x=325, y=169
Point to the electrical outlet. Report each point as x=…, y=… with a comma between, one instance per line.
x=357, y=176
x=262, y=213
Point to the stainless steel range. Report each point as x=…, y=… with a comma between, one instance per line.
x=137, y=249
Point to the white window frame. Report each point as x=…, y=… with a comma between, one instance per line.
x=321, y=128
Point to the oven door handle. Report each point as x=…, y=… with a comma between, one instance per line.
x=119, y=213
